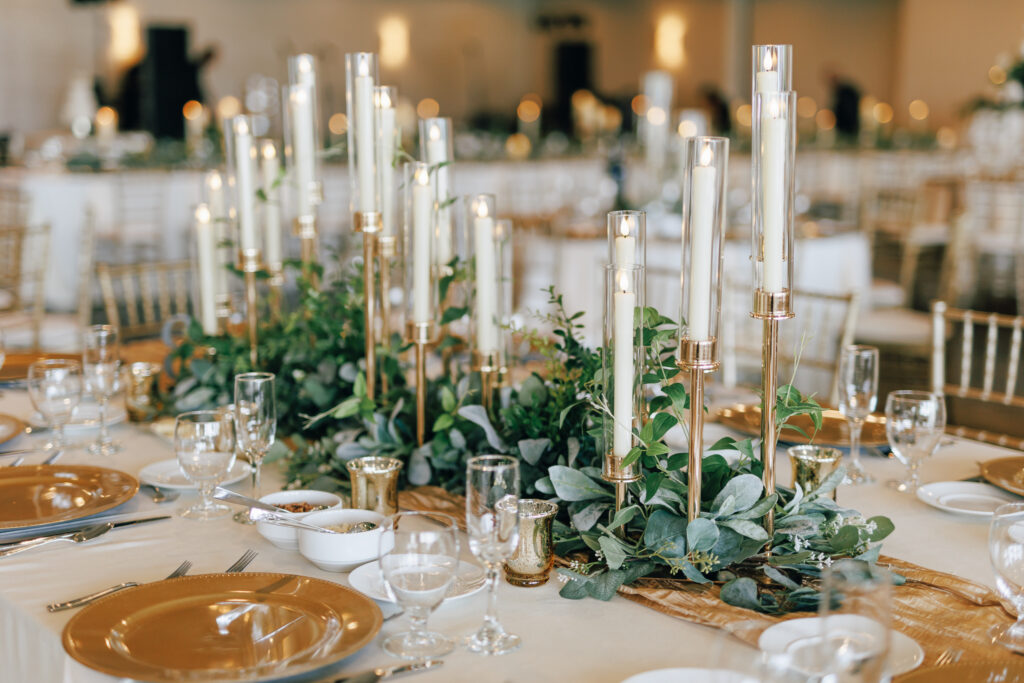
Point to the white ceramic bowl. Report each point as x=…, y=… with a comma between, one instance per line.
x=343, y=552
x=286, y=537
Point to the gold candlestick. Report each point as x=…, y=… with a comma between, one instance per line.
x=276, y=283
x=222, y=302
x=369, y=223
x=771, y=307
x=421, y=335
x=250, y=259
x=387, y=250
x=489, y=366
x=697, y=357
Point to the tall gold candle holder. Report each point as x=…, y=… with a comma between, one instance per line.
x=302, y=140
x=369, y=224
x=251, y=263
x=486, y=313
x=387, y=249
x=705, y=173
x=222, y=303
x=420, y=335
x=772, y=161
x=276, y=284
x=305, y=229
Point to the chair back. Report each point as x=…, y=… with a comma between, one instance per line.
x=139, y=297
x=24, y=256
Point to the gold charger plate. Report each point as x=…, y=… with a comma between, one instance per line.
x=222, y=627
x=44, y=494
x=1006, y=473
x=10, y=428
x=746, y=418
x=975, y=672
x=15, y=365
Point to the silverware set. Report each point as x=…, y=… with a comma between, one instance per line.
x=238, y=566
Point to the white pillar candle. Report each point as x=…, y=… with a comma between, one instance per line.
x=218, y=214
x=625, y=244
x=437, y=154
x=486, y=284
x=773, y=183
x=272, y=238
x=702, y=209
x=106, y=125
x=386, y=161
x=206, y=253
x=422, y=207
x=623, y=301
x=767, y=78
x=245, y=185
x=364, y=139
x=303, y=148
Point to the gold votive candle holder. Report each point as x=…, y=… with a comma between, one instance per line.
x=812, y=465
x=141, y=394
x=375, y=483
x=530, y=564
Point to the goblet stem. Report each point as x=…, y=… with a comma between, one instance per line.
x=206, y=494
x=103, y=438
x=856, y=426
x=256, y=460
x=491, y=626
x=58, y=438
x=417, y=626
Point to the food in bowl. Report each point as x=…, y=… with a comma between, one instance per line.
x=343, y=552
x=302, y=506
x=353, y=528
x=285, y=537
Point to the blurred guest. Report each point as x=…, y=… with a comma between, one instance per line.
x=718, y=109
x=197, y=66
x=845, y=103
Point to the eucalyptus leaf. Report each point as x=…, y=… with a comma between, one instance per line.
x=614, y=552
x=746, y=528
x=666, y=534
x=531, y=450
x=701, y=535
x=573, y=450
x=587, y=516
x=746, y=488
x=573, y=485
x=741, y=592
x=477, y=414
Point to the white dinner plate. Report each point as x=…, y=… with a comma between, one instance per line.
x=167, y=475
x=965, y=497
x=689, y=675
x=367, y=580
x=904, y=655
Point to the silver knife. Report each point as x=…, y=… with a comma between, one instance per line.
x=115, y=525
x=80, y=536
x=386, y=672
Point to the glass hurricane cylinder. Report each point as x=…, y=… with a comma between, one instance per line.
x=417, y=221
x=436, y=150
x=504, y=246
x=774, y=120
x=622, y=367
x=385, y=101
x=772, y=69
x=241, y=153
x=361, y=79
x=486, y=316
x=302, y=140
x=627, y=238
x=705, y=170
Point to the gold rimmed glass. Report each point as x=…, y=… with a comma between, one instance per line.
x=255, y=423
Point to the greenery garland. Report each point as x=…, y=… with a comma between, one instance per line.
x=553, y=423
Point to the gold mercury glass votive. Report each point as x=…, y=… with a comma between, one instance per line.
x=141, y=391
x=375, y=483
x=530, y=564
x=812, y=465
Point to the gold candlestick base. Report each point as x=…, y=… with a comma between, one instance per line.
x=276, y=283
x=250, y=260
x=489, y=366
x=369, y=224
x=223, y=308
x=696, y=357
x=305, y=229
x=421, y=335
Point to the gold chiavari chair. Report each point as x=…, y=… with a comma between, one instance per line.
x=24, y=255
x=985, y=401
x=140, y=297
x=14, y=206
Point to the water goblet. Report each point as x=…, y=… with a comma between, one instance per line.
x=1006, y=548
x=204, y=442
x=55, y=387
x=914, y=423
x=101, y=362
x=492, y=520
x=256, y=423
x=418, y=572
x=855, y=614
x=858, y=393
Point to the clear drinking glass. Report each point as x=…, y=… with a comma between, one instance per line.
x=101, y=364
x=204, y=441
x=858, y=393
x=914, y=423
x=855, y=616
x=1006, y=549
x=492, y=520
x=256, y=423
x=55, y=387
x=418, y=573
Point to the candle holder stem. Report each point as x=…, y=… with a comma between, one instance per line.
x=250, y=265
x=369, y=223
x=489, y=366
x=386, y=252
x=696, y=459
x=223, y=308
x=621, y=491
x=276, y=283
x=305, y=229
x=769, y=431
x=421, y=393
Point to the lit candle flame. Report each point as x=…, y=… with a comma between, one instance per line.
x=626, y=226
x=623, y=278
x=706, y=156
x=435, y=132
x=769, y=60
x=422, y=175
x=384, y=99
x=364, y=65
x=203, y=213
x=269, y=149
x=481, y=208
x=214, y=181
x=241, y=126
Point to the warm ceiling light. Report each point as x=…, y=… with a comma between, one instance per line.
x=639, y=105
x=338, y=124
x=825, y=119
x=192, y=110
x=125, y=39
x=882, y=112
x=105, y=116
x=394, y=41
x=228, y=107
x=669, y=33
x=532, y=97
x=656, y=116
x=918, y=110
x=528, y=111
x=428, y=108
x=743, y=115
x=517, y=146
x=946, y=137
x=583, y=98
x=687, y=129
x=997, y=74
x=806, y=107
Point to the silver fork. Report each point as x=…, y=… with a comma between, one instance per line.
x=241, y=563
x=92, y=597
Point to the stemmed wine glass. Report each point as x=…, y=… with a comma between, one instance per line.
x=256, y=422
x=101, y=362
x=204, y=441
x=858, y=392
x=914, y=423
x=855, y=615
x=55, y=387
x=1006, y=549
x=492, y=520
x=418, y=573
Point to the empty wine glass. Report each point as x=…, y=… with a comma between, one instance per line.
x=1006, y=549
x=101, y=363
x=855, y=616
x=492, y=520
x=418, y=573
x=858, y=392
x=914, y=423
x=55, y=387
x=256, y=423
x=204, y=441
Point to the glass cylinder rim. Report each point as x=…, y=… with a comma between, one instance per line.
x=801, y=449
x=491, y=462
x=56, y=363
x=715, y=139
x=215, y=415
x=919, y=394
x=253, y=376
x=541, y=508
x=627, y=212
x=360, y=464
x=614, y=268
x=1012, y=508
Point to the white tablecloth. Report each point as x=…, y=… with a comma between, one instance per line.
x=563, y=640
